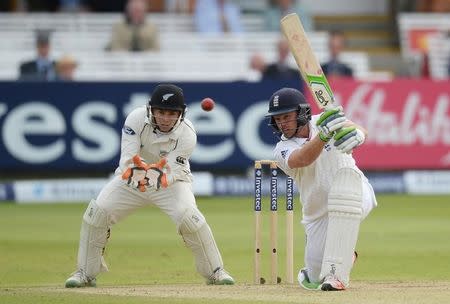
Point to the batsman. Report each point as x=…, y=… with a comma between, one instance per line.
x=157, y=142
x=315, y=150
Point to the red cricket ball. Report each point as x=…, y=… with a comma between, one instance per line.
x=207, y=104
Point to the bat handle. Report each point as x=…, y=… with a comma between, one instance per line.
x=330, y=106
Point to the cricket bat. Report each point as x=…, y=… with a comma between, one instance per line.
x=307, y=63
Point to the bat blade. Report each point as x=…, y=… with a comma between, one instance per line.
x=307, y=63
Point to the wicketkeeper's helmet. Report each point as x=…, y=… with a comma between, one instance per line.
x=168, y=97
x=288, y=100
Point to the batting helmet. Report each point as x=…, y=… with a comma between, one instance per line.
x=287, y=100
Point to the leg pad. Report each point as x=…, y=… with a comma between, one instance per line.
x=344, y=218
x=93, y=237
x=198, y=237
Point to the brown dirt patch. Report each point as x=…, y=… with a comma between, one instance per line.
x=359, y=292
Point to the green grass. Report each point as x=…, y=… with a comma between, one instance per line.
x=405, y=239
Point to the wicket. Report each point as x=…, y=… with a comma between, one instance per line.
x=274, y=279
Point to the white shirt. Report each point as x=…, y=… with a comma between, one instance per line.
x=314, y=181
x=139, y=137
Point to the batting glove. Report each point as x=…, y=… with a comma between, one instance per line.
x=349, y=138
x=329, y=122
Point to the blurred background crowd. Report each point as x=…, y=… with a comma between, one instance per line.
x=222, y=40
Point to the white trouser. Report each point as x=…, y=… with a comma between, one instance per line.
x=117, y=200
x=316, y=233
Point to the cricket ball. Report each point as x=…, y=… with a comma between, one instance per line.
x=207, y=104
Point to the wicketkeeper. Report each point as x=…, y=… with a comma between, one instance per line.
x=336, y=196
x=157, y=142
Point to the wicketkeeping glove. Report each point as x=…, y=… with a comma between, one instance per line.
x=143, y=176
x=348, y=138
x=330, y=121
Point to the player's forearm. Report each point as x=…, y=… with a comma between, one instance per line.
x=129, y=148
x=307, y=154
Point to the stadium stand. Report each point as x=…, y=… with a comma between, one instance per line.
x=92, y=22
x=426, y=33
x=184, y=56
x=439, y=56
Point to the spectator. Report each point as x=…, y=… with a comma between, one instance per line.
x=134, y=33
x=257, y=67
x=65, y=68
x=280, y=8
x=42, y=68
x=335, y=67
x=281, y=69
x=217, y=16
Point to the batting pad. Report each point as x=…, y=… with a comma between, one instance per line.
x=344, y=218
x=93, y=238
x=198, y=237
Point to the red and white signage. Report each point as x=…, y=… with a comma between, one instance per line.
x=408, y=122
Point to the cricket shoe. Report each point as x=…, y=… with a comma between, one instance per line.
x=332, y=283
x=79, y=279
x=220, y=277
x=305, y=282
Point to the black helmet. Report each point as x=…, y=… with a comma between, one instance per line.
x=168, y=96
x=287, y=100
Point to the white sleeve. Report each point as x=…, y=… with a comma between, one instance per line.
x=131, y=140
x=282, y=152
x=178, y=159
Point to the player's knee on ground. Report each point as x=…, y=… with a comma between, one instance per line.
x=93, y=237
x=344, y=217
x=198, y=237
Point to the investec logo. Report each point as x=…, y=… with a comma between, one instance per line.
x=258, y=190
x=289, y=191
x=273, y=191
